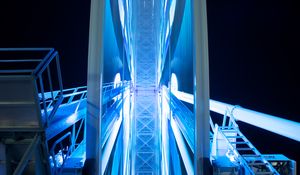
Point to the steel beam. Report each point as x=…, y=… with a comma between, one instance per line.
x=201, y=87
x=94, y=88
x=27, y=155
x=281, y=126
x=284, y=127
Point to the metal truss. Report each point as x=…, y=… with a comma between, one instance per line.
x=146, y=43
x=146, y=131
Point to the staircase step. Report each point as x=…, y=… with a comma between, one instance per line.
x=244, y=149
x=239, y=143
x=263, y=173
x=250, y=155
x=255, y=164
x=234, y=137
x=229, y=131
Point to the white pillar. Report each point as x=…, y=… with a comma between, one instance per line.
x=201, y=88
x=94, y=87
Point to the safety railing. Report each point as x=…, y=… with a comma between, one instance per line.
x=79, y=93
x=57, y=160
x=242, y=149
x=44, y=66
x=63, y=148
x=69, y=96
x=110, y=119
x=111, y=90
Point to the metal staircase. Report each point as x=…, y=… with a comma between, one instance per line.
x=252, y=159
x=22, y=110
x=47, y=126
x=231, y=151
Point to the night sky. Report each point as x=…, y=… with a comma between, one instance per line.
x=61, y=24
x=253, y=49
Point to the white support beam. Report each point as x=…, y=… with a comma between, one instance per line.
x=94, y=88
x=283, y=127
x=201, y=87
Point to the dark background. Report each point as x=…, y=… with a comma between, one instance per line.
x=253, y=49
x=61, y=24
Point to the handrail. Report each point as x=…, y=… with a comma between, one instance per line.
x=45, y=62
x=39, y=68
x=16, y=71
x=82, y=90
x=42, y=62
x=52, y=153
x=13, y=61
x=9, y=49
x=58, y=141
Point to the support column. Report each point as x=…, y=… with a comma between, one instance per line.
x=201, y=88
x=94, y=88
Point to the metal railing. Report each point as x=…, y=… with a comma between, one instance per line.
x=238, y=145
x=242, y=148
x=59, y=158
x=79, y=93
x=110, y=119
x=38, y=63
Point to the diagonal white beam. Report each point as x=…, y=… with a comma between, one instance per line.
x=281, y=126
